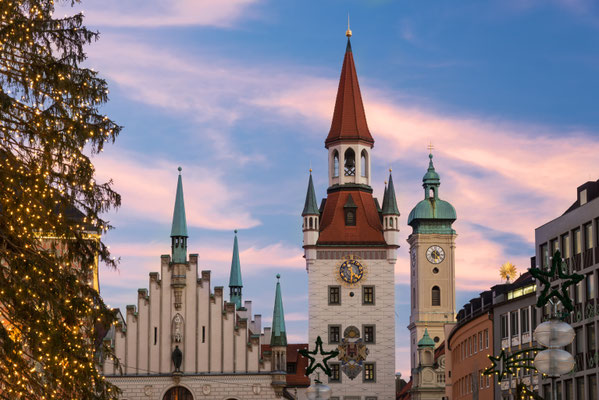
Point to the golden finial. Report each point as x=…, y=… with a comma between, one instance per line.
x=348, y=31
x=430, y=147
x=310, y=170
x=390, y=169
x=507, y=271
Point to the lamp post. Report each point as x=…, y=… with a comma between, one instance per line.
x=318, y=391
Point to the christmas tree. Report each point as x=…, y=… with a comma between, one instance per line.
x=51, y=318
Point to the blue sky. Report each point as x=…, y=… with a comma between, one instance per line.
x=241, y=94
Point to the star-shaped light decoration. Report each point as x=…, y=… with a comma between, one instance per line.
x=512, y=363
x=560, y=292
x=318, y=350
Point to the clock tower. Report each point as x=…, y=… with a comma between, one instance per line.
x=432, y=264
x=350, y=245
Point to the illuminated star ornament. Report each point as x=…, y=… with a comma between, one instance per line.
x=510, y=364
x=561, y=292
x=507, y=271
x=318, y=350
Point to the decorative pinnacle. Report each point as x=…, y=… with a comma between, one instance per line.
x=390, y=169
x=310, y=170
x=235, y=231
x=278, y=276
x=348, y=31
x=179, y=169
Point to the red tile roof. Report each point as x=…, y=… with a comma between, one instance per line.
x=405, y=394
x=349, y=118
x=368, y=229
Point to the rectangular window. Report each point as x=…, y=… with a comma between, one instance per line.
x=544, y=256
x=334, y=295
x=579, y=340
x=368, y=295
x=514, y=323
x=369, y=334
x=578, y=291
x=203, y=334
x=577, y=243
x=291, y=368
x=335, y=372
x=592, y=387
x=525, y=323
x=475, y=344
x=504, y=323
x=369, y=372
x=533, y=318
x=334, y=333
x=469, y=346
x=588, y=236
x=155, y=335
x=486, y=338
x=565, y=246
x=590, y=287
x=569, y=390
x=482, y=379
x=480, y=340
x=580, y=388
x=591, y=339
x=553, y=246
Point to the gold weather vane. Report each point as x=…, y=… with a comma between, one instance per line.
x=430, y=147
x=348, y=31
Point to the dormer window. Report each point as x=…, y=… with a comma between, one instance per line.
x=350, y=211
x=350, y=163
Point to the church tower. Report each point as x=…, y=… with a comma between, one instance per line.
x=235, y=284
x=350, y=246
x=432, y=264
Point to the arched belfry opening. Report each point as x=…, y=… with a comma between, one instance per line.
x=335, y=163
x=364, y=164
x=349, y=162
x=436, y=296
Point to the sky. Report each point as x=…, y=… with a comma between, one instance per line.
x=240, y=94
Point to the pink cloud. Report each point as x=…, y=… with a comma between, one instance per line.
x=152, y=14
x=143, y=185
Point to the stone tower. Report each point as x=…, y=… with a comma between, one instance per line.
x=350, y=246
x=432, y=264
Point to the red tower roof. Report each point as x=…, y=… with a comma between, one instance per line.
x=349, y=118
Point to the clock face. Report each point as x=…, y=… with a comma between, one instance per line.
x=351, y=271
x=435, y=254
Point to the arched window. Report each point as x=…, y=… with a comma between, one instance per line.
x=390, y=222
x=350, y=162
x=310, y=222
x=335, y=163
x=178, y=393
x=431, y=193
x=436, y=296
x=364, y=164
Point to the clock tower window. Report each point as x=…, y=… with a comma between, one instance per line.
x=436, y=296
x=335, y=163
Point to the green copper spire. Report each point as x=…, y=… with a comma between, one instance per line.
x=432, y=215
x=310, y=207
x=278, y=336
x=179, y=228
x=384, y=197
x=389, y=202
x=235, y=283
x=426, y=340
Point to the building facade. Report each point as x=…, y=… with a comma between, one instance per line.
x=470, y=343
x=185, y=341
x=432, y=264
x=428, y=378
x=350, y=246
x=575, y=234
x=514, y=320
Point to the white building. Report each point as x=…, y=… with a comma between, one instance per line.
x=185, y=341
x=350, y=248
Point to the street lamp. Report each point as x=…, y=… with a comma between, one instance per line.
x=318, y=391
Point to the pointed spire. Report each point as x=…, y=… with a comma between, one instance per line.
x=431, y=179
x=235, y=283
x=349, y=118
x=389, y=202
x=310, y=207
x=384, y=197
x=278, y=335
x=179, y=227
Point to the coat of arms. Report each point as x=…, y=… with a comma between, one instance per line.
x=352, y=352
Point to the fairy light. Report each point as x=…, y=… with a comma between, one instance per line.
x=49, y=120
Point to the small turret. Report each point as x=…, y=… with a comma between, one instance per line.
x=390, y=214
x=179, y=227
x=310, y=216
x=426, y=346
x=235, y=283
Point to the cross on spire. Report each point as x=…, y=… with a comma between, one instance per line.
x=430, y=147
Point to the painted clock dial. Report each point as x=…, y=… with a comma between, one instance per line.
x=435, y=254
x=351, y=271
